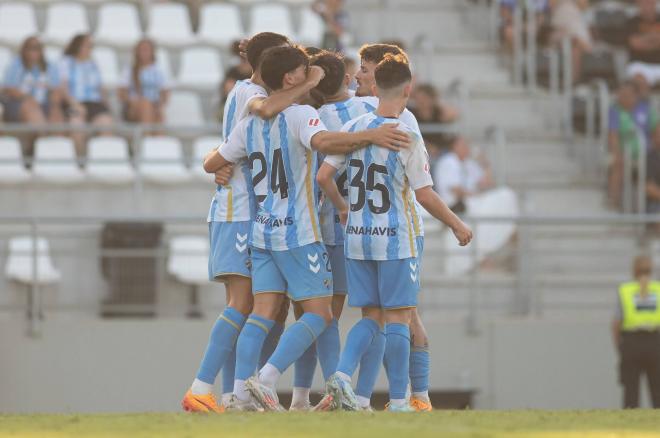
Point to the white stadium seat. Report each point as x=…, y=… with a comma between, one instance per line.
x=188, y=260
x=12, y=169
x=227, y=14
x=5, y=59
x=184, y=108
x=161, y=160
x=311, y=28
x=201, y=147
x=169, y=24
x=271, y=18
x=55, y=161
x=108, y=160
x=17, y=21
x=200, y=68
x=20, y=262
x=106, y=60
x=118, y=25
x=63, y=21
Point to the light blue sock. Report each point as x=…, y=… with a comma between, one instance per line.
x=270, y=344
x=357, y=343
x=221, y=342
x=397, y=358
x=296, y=339
x=304, y=367
x=420, y=365
x=228, y=371
x=328, y=347
x=249, y=345
x=370, y=365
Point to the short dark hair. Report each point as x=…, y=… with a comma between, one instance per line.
x=333, y=65
x=261, y=42
x=278, y=61
x=376, y=52
x=312, y=51
x=392, y=71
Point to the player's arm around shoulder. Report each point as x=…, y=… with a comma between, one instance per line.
x=387, y=135
x=268, y=107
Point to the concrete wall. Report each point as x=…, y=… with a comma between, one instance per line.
x=88, y=365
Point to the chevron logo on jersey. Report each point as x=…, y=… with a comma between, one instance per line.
x=241, y=242
x=314, y=264
x=314, y=122
x=413, y=271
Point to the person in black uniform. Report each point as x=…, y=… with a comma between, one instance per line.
x=636, y=331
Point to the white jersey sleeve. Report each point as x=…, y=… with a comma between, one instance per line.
x=416, y=164
x=336, y=161
x=234, y=148
x=305, y=123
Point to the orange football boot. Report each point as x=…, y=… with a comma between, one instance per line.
x=420, y=405
x=201, y=403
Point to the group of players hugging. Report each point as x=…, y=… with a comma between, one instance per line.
x=320, y=194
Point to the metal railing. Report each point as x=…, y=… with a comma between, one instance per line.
x=527, y=277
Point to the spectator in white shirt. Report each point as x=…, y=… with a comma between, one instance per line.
x=458, y=176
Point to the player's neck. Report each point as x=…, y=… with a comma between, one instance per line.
x=390, y=108
x=256, y=79
x=339, y=97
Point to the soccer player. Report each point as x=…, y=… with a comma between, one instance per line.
x=288, y=256
x=338, y=108
x=229, y=218
x=382, y=255
x=371, y=55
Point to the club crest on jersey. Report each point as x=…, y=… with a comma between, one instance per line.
x=314, y=264
x=314, y=122
x=241, y=242
x=413, y=271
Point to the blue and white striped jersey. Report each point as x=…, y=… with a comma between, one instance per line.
x=82, y=79
x=381, y=220
x=153, y=80
x=335, y=115
x=233, y=202
x=34, y=81
x=409, y=119
x=283, y=167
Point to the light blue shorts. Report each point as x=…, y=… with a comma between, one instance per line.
x=230, y=253
x=302, y=273
x=387, y=284
x=338, y=265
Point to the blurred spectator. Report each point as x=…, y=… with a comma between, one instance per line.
x=631, y=122
x=241, y=67
x=425, y=104
x=458, y=176
x=336, y=21
x=144, y=87
x=653, y=177
x=567, y=20
x=28, y=83
x=84, y=98
x=644, y=42
x=507, y=8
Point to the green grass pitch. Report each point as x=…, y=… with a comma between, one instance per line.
x=477, y=424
